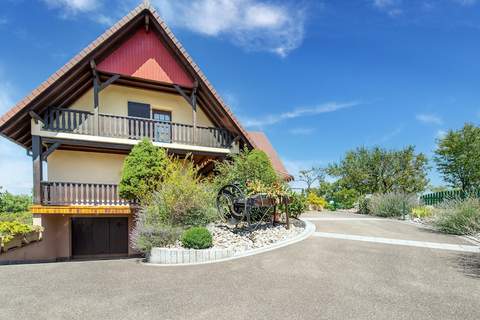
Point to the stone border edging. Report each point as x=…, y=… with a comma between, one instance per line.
x=220, y=255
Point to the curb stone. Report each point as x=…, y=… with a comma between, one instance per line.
x=218, y=255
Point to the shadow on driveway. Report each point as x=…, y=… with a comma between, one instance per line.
x=468, y=264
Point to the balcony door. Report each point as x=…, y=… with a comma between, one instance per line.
x=138, y=128
x=163, y=126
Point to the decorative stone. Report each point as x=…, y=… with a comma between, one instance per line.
x=227, y=242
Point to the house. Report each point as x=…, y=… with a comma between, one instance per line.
x=135, y=81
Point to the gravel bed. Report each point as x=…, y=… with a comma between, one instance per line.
x=247, y=238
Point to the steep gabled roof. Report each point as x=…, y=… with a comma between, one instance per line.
x=262, y=143
x=74, y=78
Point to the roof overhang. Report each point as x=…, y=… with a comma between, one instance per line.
x=75, y=78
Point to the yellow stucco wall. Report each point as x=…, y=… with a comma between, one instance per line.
x=89, y=167
x=114, y=100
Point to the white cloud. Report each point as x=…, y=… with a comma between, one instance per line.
x=391, y=7
x=252, y=24
x=302, y=131
x=296, y=113
x=74, y=6
x=15, y=165
x=429, y=118
x=466, y=3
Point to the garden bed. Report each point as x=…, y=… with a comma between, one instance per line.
x=229, y=242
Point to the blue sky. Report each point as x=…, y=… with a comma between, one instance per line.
x=319, y=77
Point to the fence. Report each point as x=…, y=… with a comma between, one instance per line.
x=436, y=198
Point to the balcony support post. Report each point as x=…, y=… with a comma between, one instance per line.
x=192, y=101
x=97, y=87
x=37, y=169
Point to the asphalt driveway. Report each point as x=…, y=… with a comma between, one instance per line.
x=322, y=277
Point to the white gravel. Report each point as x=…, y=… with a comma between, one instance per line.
x=253, y=237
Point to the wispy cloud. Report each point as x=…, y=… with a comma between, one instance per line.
x=252, y=24
x=466, y=3
x=429, y=118
x=74, y=6
x=391, y=7
x=3, y=21
x=302, y=131
x=392, y=134
x=296, y=113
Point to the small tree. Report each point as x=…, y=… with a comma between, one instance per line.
x=247, y=166
x=310, y=176
x=458, y=157
x=143, y=171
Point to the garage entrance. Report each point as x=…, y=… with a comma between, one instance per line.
x=97, y=237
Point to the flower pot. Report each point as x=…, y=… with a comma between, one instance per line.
x=32, y=237
x=16, y=242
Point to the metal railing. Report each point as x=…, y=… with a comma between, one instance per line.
x=72, y=193
x=83, y=122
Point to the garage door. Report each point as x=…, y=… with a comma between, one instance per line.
x=99, y=236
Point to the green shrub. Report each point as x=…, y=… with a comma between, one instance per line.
x=318, y=203
x=461, y=217
x=392, y=204
x=297, y=205
x=10, y=203
x=143, y=171
x=246, y=166
x=197, y=238
x=345, y=198
x=14, y=228
x=182, y=200
x=364, y=205
x=146, y=237
x=25, y=217
x=422, y=212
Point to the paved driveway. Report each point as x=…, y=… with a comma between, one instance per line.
x=322, y=277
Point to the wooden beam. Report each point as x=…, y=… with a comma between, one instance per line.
x=37, y=169
x=35, y=116
x=147, y=23
x=183, y=94
x=110, y=80
x=50, y=149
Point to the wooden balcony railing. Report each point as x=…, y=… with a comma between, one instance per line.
x=70, y=193
x=83, y=122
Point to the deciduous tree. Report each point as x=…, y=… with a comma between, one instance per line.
x=458, y=157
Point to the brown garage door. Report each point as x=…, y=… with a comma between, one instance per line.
x=99, y=236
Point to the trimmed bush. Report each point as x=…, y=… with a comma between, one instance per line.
x=392, y=204
x=461, y=217
x=197, y=238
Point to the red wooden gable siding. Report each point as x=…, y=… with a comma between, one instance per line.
x=145, y=56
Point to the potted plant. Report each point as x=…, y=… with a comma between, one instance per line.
x=11, y=241
x=34, y=235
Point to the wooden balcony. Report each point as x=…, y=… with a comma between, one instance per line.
x=81, y=194
x=112, y=126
